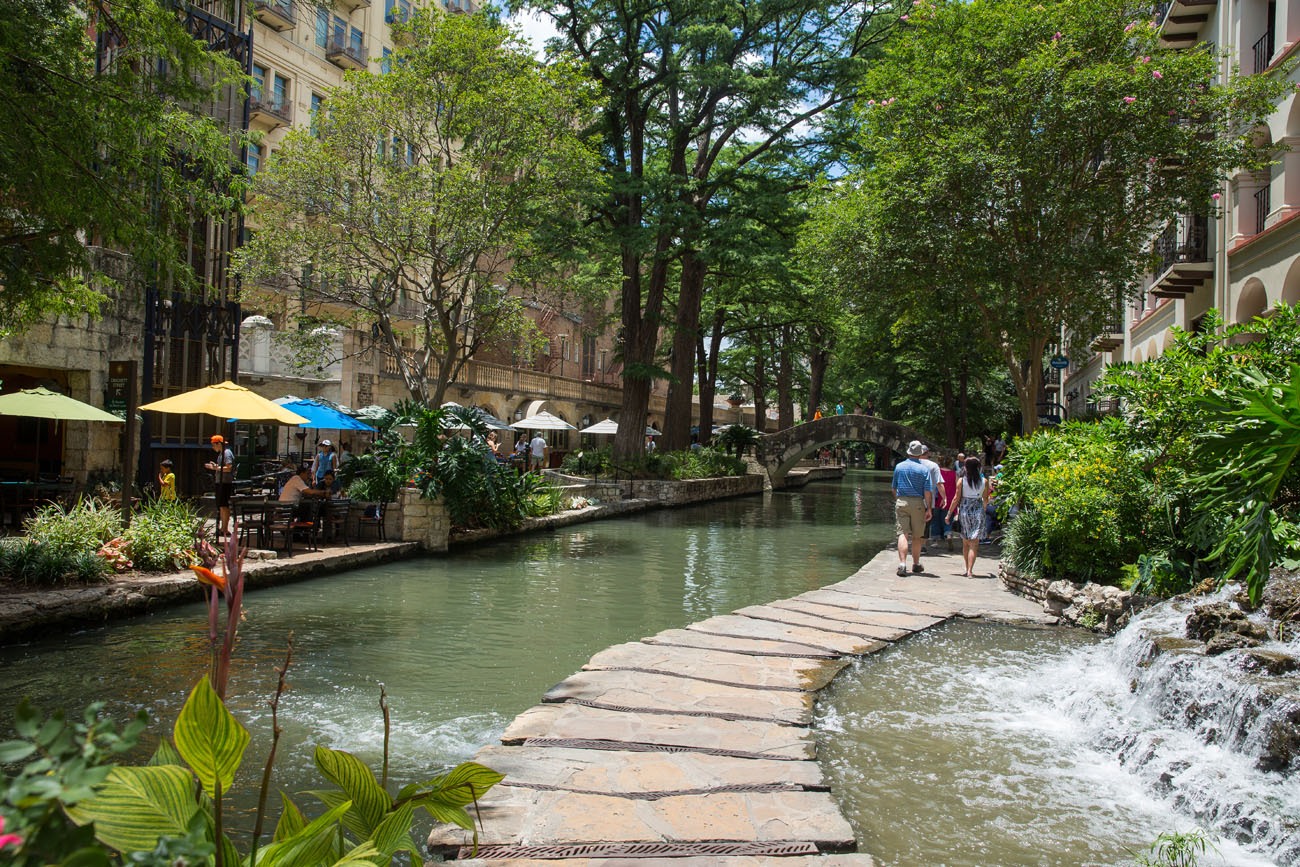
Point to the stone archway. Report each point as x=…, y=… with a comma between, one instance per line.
x=780, y=451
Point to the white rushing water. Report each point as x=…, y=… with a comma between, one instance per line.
x=978, y=745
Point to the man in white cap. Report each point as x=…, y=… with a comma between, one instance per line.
x=913, y=491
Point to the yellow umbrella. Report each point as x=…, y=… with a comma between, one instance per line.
x=226, y=400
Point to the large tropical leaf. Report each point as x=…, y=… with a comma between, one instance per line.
x=136, y=806
x=464, y=784
x=394, y=834
x=165, y=754
x=291, y=819
x=310, y=846
x=209, y=738
x=369, y=800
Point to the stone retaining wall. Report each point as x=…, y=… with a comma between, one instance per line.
x=671, y=493
x=413, y=519
x=1099, y=607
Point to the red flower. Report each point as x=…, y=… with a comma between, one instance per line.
x=207, y=576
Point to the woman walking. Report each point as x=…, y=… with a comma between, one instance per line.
x=974, y=499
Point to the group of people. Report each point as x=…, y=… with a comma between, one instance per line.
x=294, y=481
x=923, y=502
x=531, y=454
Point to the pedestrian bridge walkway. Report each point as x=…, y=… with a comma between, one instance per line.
x=694, y=746
x=781, y=451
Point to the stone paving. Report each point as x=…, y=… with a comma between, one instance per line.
x=693, y=747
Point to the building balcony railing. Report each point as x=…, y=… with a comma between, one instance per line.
x=1109, y=406
x=1180, y=21
x=1111, y=335
x=276, y=14
x=352, y=5
x=1263, y=207
x=346, y=55
x=1184, y=262
x=1052, y=379
x=274, y=111
x=1263, y=50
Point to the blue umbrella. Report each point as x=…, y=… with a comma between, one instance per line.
x=320, y=415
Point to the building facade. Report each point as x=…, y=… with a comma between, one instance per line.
x=1242, y=256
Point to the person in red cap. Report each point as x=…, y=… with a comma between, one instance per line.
x=223, y=474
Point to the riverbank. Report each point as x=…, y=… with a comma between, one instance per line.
x=30, y=612
x=696, y=743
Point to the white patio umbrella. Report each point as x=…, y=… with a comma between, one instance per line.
x=610, y=427
x=542, y=421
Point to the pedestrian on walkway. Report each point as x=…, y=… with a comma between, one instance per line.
x=223, y=477
x=975, y=490
x=934, y=530
x=539, y=452
x=913, y=498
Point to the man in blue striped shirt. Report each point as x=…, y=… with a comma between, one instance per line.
x=913, y=500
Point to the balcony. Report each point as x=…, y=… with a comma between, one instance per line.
x=276, y=14
x=1051, y=379
x=346, y=55
x=352, y=5
x=1180, y=21
x=269, y=110
x=1263, y=207
x=1111, y=335
x=1263, y=50
x=1185, y=262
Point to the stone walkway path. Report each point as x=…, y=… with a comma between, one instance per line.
x=693, y=746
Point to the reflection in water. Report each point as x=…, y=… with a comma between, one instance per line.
x=462, y=642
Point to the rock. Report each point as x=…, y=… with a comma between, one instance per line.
x=1267, y=662
x=1225, y=641
x=1207, y=621
x=1061, y=591
x=1282, y=603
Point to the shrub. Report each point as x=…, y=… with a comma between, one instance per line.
x=84, y=526
x=707, y=464
x=161, y=536
x=30, y=561
x=589, y=462
x=1087, y=503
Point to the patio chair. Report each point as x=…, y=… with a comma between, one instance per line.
x=372, y=518
x=334, y=518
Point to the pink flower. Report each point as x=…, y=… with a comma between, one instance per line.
x=1216, y=197
x=903, y=17
x=1128, y=28
x=1157, y=74
x=1146, y=59
x=871, y=102
x=6, y=839
x=1130, y=99
x=1057, y=37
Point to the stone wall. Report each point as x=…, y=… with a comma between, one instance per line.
x=672, y=493
x=1100, y=607
x=413, y=519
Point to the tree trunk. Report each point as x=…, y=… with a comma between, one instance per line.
x=677, y=415
x=819, y=358
x=963, y=401
x=708, y=373
x=784, y=382
x=760, y=393
x=949, y=415
x=1027, y=374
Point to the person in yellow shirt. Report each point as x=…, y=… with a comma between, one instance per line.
x=166, y=482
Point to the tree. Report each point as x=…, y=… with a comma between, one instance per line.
x=681, y=81
x=105, y=154
x=1024, y=152
x=420, y=195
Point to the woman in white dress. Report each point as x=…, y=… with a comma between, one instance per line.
x=975, y=490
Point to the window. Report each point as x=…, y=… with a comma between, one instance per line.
x=386, y=64
x=317, y=106
x=259, y=82
x=357, y=38
x=588, y=356
x=280, y=90
x=397, y=11
x=340, y=32
x=322, y=27
x=254, y=159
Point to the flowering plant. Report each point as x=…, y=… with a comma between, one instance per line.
x=116, y=553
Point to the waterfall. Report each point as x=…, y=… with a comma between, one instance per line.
x=1217, y=741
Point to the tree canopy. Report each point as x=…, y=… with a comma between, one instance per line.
x=417, y=198
x=103, y=148
x=1023, y=153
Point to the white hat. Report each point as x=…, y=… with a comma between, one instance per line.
x=327, y=443
x=916, y=448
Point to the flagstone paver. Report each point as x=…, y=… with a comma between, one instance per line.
x=690, y=747
x=638, y=774
x=719, y=666
x=822, y=639
x=738, y=644
x=744, y=737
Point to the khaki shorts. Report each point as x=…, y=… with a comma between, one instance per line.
x=909, y=516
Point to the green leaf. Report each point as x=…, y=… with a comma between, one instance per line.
x=464, y=784
x=15, y=751
x=90, y=856
x=136, y=806
x=394, y=833
x=370, y=801
x=165, y=754
x=309, y=846
x=291, y=819
x=209, y=738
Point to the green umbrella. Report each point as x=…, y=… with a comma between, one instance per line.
x=43, y=403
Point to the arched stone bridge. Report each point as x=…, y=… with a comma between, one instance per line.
x=779, y=452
